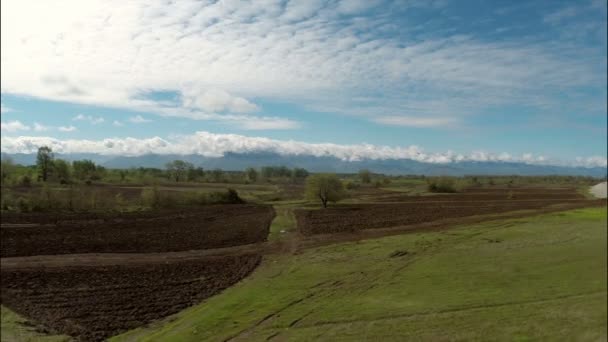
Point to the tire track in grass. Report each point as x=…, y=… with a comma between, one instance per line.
x=267, y=318
x=453, y=310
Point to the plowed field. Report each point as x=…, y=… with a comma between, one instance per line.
x=207, y=227
x=141, y=279
x=401, y=210
x=93, y=303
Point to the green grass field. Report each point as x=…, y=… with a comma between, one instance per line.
x=16, y=329
x=539, y=278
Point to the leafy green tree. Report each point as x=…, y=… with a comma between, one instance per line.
x=44, y=162
x=365, y=176
x=195, y=174
x=324, y=187
x=8, y=169
x=217, y=175
x=61, y=170
x=123, y=174
x=276, y=171
x=267, y=171
x=84, y=169
x=178, y=169
x=252, y=174
x=299, y=173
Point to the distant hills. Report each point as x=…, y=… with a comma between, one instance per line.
x=240, y=161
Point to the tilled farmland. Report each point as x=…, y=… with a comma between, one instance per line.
x=207, y=227
x=402, y=210
x=92, y=301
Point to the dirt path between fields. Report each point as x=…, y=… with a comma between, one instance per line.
x=291, y=244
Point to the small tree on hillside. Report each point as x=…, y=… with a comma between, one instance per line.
x=324, y=187
x=365, y=176
x=44, y=162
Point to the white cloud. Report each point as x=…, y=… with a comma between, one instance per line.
x=67, y=128
x=93, y=120
x=40, y=128
x=409, y=121
x=356, y=6
x=216, y=145
x=4, y=109
x=138, y=119
x=117, y=123
x=224, y=56
x=561, y=14
x=266, y=124
x=215, y=100
x=13, y=126
x=297, y=10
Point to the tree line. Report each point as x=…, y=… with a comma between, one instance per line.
x=48, y=168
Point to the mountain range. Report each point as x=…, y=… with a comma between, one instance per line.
x=241, y=161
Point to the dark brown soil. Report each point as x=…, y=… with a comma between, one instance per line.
x=205, y=227
x=491, y=194
x=93, y=303
x=419, y=209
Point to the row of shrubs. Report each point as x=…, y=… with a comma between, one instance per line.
x=81, y=198
x=155, y=198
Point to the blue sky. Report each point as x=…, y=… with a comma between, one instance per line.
x=437, y=81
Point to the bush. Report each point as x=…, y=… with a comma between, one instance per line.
x=25, y=180
x=228, y=197
x=442, y=185
x=154, y=198
x=23, y=205
x=365, y=176
x=350, y=185
x=151, y=197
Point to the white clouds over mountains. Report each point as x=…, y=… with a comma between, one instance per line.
x=216, y=145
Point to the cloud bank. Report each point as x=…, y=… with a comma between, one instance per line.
x=220, y=57
x=216, y=145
